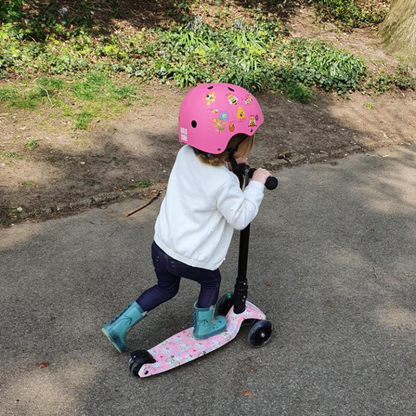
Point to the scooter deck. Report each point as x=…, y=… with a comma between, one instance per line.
x=183, y=347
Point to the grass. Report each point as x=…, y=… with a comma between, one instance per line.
x=142, y=184
x=31, y=144
x=82, y=98
x=10, y=154
x=134, y=185
x=296, y=91
x=82, y=120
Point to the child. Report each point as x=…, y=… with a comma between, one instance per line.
x=202, y=207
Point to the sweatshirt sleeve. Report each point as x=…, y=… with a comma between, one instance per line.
x=240, y=208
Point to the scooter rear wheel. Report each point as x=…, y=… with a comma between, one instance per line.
x=224, y=304
x=138, y=359
x=260, y=333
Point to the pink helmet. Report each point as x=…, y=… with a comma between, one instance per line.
x=211, y=114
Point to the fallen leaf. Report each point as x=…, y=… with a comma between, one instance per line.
x=43, y=365
x=267, y=283
x=247, y=393
x=331, y=305
x=368, y=228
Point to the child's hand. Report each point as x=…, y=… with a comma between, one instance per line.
x=261, y=175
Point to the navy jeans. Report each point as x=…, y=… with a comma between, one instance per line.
x=169, y=273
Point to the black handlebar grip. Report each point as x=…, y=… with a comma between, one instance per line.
x=271, y=181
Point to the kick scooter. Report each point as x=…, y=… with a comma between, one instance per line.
x=183, y=347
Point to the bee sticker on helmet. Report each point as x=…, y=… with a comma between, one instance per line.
x=248, y=99
x=210, y=98
x=232, y=99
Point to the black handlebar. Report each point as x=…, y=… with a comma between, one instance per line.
x=271, y=181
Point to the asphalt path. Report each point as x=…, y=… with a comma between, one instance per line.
x=332, y=263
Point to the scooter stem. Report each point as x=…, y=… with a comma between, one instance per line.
x=241, y=286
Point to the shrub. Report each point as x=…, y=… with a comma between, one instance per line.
x=37, y=20
x=345, y=12
x=255, y=56
x=315, y=63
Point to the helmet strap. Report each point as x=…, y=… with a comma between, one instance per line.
x=233, y=149
x=234, y=165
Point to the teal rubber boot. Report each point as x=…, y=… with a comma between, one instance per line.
x=117, y=329
x=205, y=325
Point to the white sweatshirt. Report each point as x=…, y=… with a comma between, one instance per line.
x=202, y=207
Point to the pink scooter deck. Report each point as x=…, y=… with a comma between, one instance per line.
x=183, y=347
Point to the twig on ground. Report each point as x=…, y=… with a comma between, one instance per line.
x=47, y=94
x=145, y=205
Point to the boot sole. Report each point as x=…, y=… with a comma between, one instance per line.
x=111, y=339
x=211, y=334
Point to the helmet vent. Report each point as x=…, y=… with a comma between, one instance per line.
x=230, y=89
x=211, y=87
x=193, y=123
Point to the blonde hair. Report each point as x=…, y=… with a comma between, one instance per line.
x=245, y=144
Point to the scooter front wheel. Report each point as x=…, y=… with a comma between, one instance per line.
x=260, y=333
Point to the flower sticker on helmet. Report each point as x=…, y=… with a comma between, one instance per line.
x=219, y=125
x=223, y=116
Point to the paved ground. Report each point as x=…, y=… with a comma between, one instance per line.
x=332, y=263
